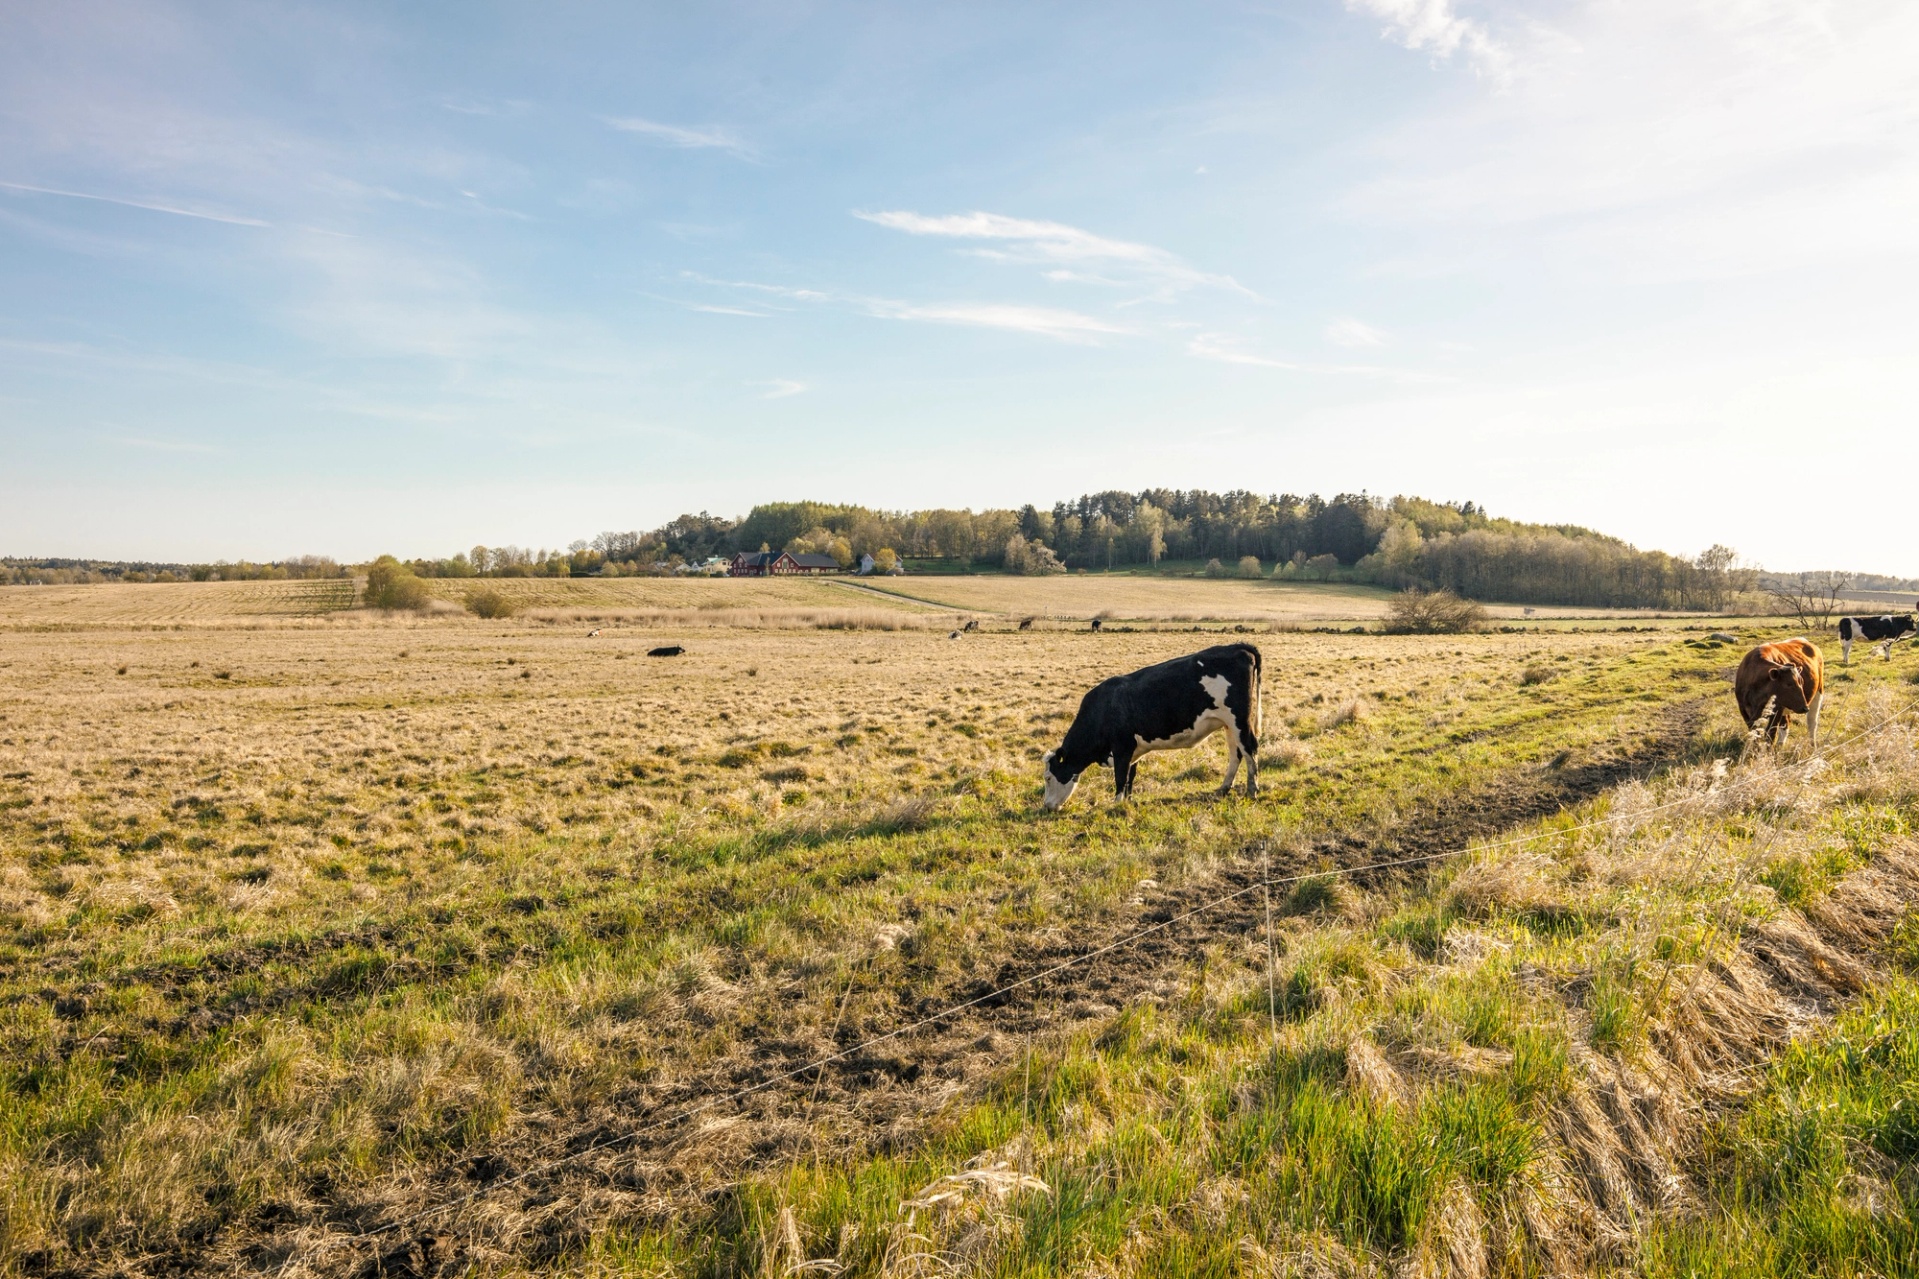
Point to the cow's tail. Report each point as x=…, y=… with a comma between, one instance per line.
x=1259, y=706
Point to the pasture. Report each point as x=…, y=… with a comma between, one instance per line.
x=314, y=925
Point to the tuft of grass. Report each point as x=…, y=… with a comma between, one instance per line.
x=1811, y=1174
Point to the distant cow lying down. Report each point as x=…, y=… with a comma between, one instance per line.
x=1790, y=677
x=1167, y=707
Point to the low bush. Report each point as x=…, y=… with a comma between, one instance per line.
x=1417, y=612
x=489, y=603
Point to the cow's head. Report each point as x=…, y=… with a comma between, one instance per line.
x=1059, y=784
x=1787, y=684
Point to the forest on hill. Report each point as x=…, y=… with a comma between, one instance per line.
x=1395, y=542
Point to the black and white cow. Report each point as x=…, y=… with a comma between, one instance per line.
x=1885, y=631
x=1166, y=707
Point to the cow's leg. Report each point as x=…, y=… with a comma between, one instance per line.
x=1132, y=776
x=1812, y=721
x=1232, y=762
x=1249, y=747
x=1845, y=652
x=1122, y=762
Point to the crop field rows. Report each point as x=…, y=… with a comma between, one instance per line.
x=306, y=930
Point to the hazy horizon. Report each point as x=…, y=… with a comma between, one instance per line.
x=349, y=278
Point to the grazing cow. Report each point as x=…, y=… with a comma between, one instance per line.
x=1883, y=631
x=665, y=650
x=954, y=635
x=972, y=624
x=1026, y=623
x=1788, y=676
x=1166, y=707
x=592, y=633
x=1096, y=623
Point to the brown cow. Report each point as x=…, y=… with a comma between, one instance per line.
x=1790, y=675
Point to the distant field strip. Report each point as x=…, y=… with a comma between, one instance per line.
x=169, y=603
x=753, y=619
x=1173, y=599
x=668, y=593
x=1155, y=598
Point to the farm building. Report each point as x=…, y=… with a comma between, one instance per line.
x=784, y=564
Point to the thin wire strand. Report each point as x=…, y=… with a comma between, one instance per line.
x=1267, y=884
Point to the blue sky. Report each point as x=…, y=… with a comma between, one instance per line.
x=335, y=278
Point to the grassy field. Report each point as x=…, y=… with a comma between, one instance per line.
x=197, y=604
x=930, y=603
x=1145, y=597
x=440, y=927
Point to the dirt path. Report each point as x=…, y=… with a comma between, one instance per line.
x=637, y=1156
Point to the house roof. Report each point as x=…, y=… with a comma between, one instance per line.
x=810, y=560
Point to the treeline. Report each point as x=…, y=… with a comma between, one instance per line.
x=1397, y=542
x=1850, y=581
x=67, y=572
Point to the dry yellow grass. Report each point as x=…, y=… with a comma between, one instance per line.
x=169, y=603
x=202, y=604
x=674, y=593
x=295, y=923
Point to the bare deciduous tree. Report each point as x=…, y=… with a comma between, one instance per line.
x=1813, y=598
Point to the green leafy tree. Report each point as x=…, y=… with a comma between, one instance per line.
x=391, y=585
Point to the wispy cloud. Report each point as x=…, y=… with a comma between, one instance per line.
x=726, y=310
x=1065, y=326
x=1433, y=26
x=1042, y=321
x=162, y=446
x=205, y=215
x=781, y=387
x=1051, y=243
x=714, y=136
x=511, y=106
x=1225, y=349
x=1758, y=136
x=777, y=290
x=1350, y=332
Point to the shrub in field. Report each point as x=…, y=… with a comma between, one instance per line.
x=391, y=585
x=490, y=603
x=1249, y=566
x=1215, y=569
x=1417, y=612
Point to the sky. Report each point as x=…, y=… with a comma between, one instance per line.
x=346, y=279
